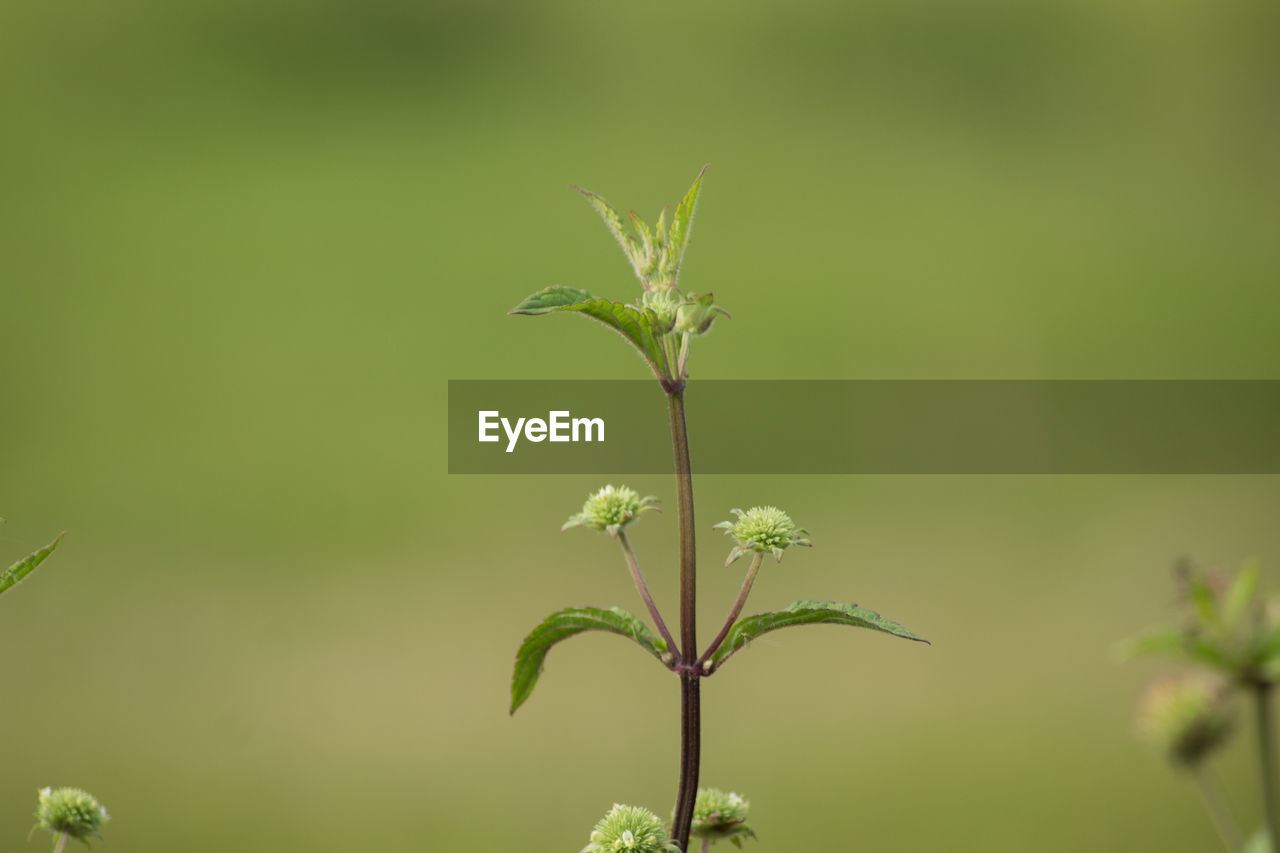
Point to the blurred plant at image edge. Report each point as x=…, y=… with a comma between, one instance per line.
x=1228, y=637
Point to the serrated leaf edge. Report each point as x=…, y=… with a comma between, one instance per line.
x=738, y=638
x=11, y=576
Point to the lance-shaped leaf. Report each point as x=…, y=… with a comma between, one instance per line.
x=640, y=326
x=682, y=223
x=630, y=246
x=550, y=299
x=26, y=565
x=806, y=613
x=564, y=624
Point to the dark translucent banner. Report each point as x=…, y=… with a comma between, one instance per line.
x=869, y=427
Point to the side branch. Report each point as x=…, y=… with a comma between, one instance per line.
x=734, y=613
x=633, y=565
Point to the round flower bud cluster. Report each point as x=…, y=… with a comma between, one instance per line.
x=71, y=812
x=664, y=303
x=610, y=509
x=764, y=529
x=630, y=829
x=1187, y=718
x=719, y=815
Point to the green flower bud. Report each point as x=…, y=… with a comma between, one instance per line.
x=630, y=829
x=70, y=812
x=610, y=509
x=664, y=303
x=1187, y=718
x=719, y=815
x=695, y=317
x=765, y=529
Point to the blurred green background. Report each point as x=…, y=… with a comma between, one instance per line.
x=243, y=246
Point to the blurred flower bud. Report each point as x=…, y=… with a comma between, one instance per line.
x=765, y=529
x=70, y=812
x=630, y=829
x=1186, y=717
x=610, y=509
x=719, y=815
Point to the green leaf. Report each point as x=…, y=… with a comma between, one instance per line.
x=1159, y=642
x=1209, y=652
x=1240, y=593
x=646, y=233
x=26, y=565
x=613, y=222
x=682, y=222
x=1259, y=842
x=807, y=613
x=1181, y=646
x=550, y=299
x=564, y=624
x=1271, y=643
x=640, y=326
x=1204, y=601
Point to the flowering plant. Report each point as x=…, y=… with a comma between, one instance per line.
x=661, y=325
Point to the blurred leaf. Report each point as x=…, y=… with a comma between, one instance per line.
x=1204, y=600
x=1240, y=593
x=564, y=624
x=1176, y=644
x=640, y=326
x=807, y=613
x=1208, y=652
x=1164, y=641
x=682, y=222
x=1271, y=645
x=26, y=565
x=1259, y=842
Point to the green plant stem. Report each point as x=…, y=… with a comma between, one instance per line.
x=1223, y=821
x=690, y=677
x=634, y=566
x=737, y=609
x=682, y=362
x=670, y=354
x=706, y=844
x=1267, y=758
x=61, y=843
